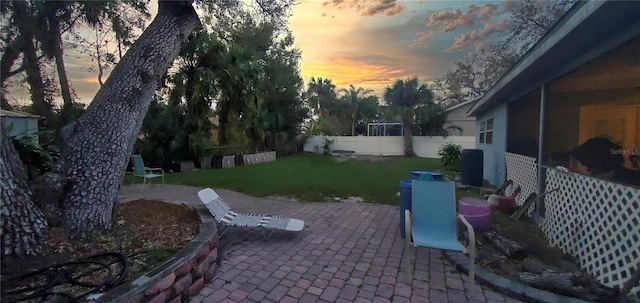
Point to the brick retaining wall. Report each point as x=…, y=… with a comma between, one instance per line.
x=180, y=277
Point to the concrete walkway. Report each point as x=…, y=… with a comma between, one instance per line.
x=348, y=252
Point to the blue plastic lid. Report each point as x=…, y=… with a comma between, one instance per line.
x=418, y=172
x=426, y=176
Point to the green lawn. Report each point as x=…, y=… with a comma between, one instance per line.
x=312, y=177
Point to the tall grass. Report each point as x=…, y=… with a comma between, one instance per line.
x=313, y=178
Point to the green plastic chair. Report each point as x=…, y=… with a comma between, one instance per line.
x=139, y=170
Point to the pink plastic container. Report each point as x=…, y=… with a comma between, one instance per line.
x=477, y=211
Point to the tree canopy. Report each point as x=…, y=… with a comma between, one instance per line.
x=82, y=186
x=473, y=76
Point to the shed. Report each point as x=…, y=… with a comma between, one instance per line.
x=23, y=123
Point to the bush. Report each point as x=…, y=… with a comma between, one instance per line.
x=450, y=155
x=326, y=145
x=37, y=158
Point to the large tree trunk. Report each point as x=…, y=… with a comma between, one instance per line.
x=30, y=61
x=353, y=121
x=9, y=57
x=24, y=229
x=41, y=106
x=4, y=103
x=97, y=151
x=408, y=137
x=67, y=105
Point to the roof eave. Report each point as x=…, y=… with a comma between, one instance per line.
x=568, y=26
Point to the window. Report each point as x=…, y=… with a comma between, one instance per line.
x=486, y=131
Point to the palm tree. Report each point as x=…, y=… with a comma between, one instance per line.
x=431, y=120
x=354, y=97
x=193, y=92
x=321, y=91
x=408, y=94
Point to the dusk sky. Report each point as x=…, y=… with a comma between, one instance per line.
x=367, y=43
x=372, y=43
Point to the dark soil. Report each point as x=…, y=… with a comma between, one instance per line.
x=146, y=232
x=533, y=241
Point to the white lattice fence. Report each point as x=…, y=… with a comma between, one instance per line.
x=596, y=221
x=523, y=171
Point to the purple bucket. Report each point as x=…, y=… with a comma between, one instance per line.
x=477, y=211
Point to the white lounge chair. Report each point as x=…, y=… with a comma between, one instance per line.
x=222, y=212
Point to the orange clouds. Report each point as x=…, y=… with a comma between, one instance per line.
x=450, y=20
x=369, y=71
x=345, y=71
x=423, y=41
x=369, y=7
x=370, y=52
x=462, y=41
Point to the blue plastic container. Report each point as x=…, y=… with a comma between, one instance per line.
x=416, y=175
x=405, y=202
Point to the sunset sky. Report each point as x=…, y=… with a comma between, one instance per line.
x=367, y=43
x=372, y=43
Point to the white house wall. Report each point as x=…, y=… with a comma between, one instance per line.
x=426, y=147
x=494, y=153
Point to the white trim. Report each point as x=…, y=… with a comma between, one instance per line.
x=458, y=105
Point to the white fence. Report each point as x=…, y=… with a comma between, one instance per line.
x=426, y=147
x=522, y=170
x=597, y=222
x=594, y=220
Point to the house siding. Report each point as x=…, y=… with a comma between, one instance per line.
x=459, y=118
x=493, y=162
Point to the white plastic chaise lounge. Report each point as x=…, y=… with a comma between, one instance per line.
x=223, y=213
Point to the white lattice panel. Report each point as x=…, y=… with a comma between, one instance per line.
x=523, y=171
x=596, y=221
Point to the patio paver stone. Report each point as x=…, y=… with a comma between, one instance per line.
x=347, y=252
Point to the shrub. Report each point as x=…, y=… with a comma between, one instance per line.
x=450, y=155
x=37, y=157
x=326, y=145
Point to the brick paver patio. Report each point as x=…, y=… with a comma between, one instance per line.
x=348, y=252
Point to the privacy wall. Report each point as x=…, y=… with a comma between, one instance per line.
x=426, y=147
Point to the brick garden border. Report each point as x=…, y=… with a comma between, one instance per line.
x=179, y=278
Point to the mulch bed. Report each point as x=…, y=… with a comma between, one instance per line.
x=146, y=232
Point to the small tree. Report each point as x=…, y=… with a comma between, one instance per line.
x=326, y=145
